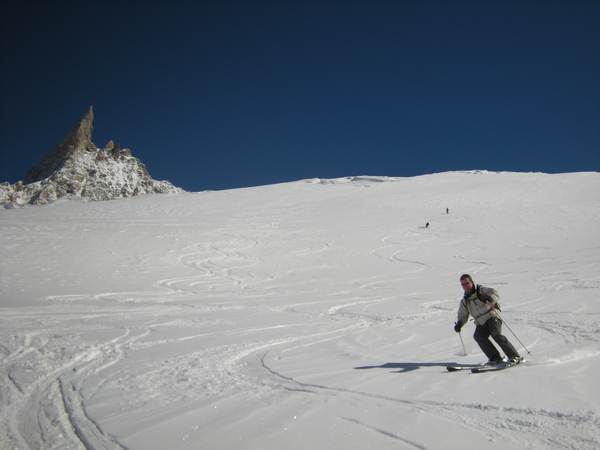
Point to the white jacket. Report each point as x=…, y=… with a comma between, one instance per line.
x=482, y=304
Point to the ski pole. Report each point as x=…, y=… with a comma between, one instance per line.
x=463, y=344
x=513, y=333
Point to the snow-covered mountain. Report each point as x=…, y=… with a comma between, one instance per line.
x=78, y=169
x=309, y=315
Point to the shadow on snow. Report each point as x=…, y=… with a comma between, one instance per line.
x=410, y=366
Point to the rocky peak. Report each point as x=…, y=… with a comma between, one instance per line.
x=78, y=169
x=78, y=139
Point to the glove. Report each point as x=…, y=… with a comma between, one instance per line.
x=457, y=327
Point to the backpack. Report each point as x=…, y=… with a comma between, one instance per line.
x=486, y=299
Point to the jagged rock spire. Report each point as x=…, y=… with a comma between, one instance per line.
x=78, y=139
x=77, y=169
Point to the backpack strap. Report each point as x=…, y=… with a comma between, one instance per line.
x=484, y=299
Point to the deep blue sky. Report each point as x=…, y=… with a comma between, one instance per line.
x=214, y=95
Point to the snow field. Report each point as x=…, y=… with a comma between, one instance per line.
x=315, y=314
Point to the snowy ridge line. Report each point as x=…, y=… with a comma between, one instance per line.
x=392, y=179
x=357, y=179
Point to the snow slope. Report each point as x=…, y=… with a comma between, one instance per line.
x=316, y=314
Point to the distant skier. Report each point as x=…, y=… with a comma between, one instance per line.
x=427, y=225
x=447, y=211
x=482, y=303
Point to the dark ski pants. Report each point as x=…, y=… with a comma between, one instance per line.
x=493, y=328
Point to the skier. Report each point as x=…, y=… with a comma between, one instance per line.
x=447, y=211
x=482, y=303
x=427, y=225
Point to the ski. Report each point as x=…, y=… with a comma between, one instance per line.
x=502, y=366
x=457, y=368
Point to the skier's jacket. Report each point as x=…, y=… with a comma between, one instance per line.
x=482, y=304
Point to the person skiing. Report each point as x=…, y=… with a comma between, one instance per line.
x=482, y=303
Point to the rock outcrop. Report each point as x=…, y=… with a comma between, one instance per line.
x=78, y=169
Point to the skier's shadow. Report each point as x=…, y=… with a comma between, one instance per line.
x=410, y=366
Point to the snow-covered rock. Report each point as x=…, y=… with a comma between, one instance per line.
x=78, y=169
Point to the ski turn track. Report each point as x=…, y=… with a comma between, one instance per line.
x=550, y=428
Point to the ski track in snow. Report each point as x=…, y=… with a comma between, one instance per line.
x=551, y=428
x=233, y=323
